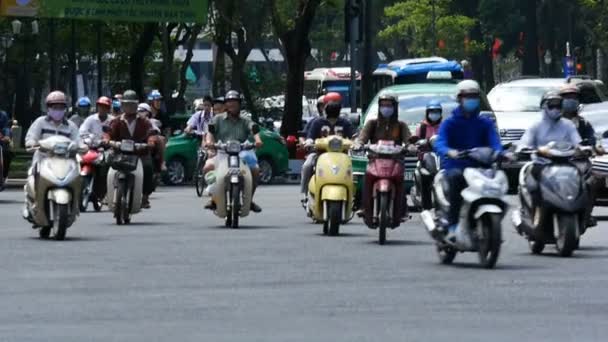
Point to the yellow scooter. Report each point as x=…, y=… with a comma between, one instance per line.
x=331, y=190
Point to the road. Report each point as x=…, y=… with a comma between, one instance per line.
x=177, y=275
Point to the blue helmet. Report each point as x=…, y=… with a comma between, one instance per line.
x=84, y=102
x=434, y=105
x=116, y=104
x=154, y=95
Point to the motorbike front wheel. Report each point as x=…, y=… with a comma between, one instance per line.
x=490, y=239
x=384, y=217
x=60, y=224
x=199, y=178
x=446, y=254
x=565, y=242
x=85, y=195
x=118, y=212
x=236, y=205
x=334, y=217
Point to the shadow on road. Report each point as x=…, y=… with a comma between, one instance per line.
x=401, y=243
x=498, y=267
x=71, y=239
x=247, y=227
x=10, y=202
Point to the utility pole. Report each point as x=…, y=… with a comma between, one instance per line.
x=99, y=62
x=52, y=55
x=368, y=55
x=74, y=88
x=353, y=16
x=434, y=27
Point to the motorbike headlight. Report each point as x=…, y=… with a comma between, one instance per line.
x=127, y=146
x=233, y=147
x=233, y=161
x=335, y=145
x=61, y=149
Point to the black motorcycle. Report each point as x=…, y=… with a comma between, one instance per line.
x=426, y=169
x=553, y=202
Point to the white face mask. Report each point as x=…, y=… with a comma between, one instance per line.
x=553, y=114
x=387, y=112
x=434, y=117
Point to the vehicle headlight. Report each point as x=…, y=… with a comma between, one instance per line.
x=60, y=149
x=233, y=147
x=233, y=161
x=335, y=145
x=127, y=146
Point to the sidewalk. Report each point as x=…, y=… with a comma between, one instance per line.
x=14, y=183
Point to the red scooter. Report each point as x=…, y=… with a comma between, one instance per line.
x=89, y=164
x=385, y=206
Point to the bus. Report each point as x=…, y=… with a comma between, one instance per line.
x=408, y=71
x=323, y=80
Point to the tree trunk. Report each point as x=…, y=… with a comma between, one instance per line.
x=183, y=82
x=530, y=63
x=136, y=61
x=219, y=70
x=297, y=51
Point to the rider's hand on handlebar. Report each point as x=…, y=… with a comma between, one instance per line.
x=543, y=150
x=453, y=154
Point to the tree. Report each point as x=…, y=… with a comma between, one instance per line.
x=292, y=21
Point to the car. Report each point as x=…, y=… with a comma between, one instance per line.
x=516, y=103
x=413, y=99
x=181, y=154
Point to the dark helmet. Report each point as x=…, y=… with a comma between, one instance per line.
x=393, y=100
x=387, y=97
x=130, y=96
x=551, y=97
x=332, y=109
x=232, y=95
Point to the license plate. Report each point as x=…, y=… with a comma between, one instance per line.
x=409, y=176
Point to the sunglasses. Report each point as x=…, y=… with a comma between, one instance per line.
x=554, y=106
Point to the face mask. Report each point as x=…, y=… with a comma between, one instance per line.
x=434, y=116
x=470, y=105
x=553, y=114
x=56, y=114
x=570, y=105
x=387, y=112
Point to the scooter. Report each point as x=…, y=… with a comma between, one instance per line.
x=385, y=171
x=426, y=169
x=233, y=188
x=552, y=208
x=89, y=162
x=331, y=189
x=53, y=188
x=484, y=205
x=125, y=180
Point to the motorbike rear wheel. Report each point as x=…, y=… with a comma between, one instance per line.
x=199, y=179
x=384, y=217
x=446, y=254
x=334, y=217
x=45, y=232
x=490, y=239
x=85, y=193
x=536, y=247
x=236, y=205
x=565, y=242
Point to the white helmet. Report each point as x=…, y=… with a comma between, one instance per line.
x=468, y=87
x=198, y=104
x=144, y=107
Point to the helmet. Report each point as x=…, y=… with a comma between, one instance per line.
x=116, y=104
x=56, y=97
x=332, y=97
x=232, y=95
x=198, y=104
x=433, y=105
x=387, y=97
x=130, y=96
x=154, y=95
x=468, y=87
x=218, y=100
x=551, y=96
x=569, y=89
x=144, y=107
x=104, y=101
x=84, y=102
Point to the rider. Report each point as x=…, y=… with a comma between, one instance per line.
x=156, y=140
x=335, y=124
x=430, y=125
x=116, y=111
x=155, y=100
x=232, y=126
x=218, y=105
x=385, y=127
x=200, y=119
x=463, y=130
x=130, y=126
x=5, y=141
x=52, y=124
x=83, y=110
x=99, y=123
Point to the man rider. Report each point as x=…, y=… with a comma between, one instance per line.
x=156, y=140
x=336, y=125
x=200, y=119
x=130, y=126
x=430, y=125
x=155, y=100
x=52, y=124
x=5, y=142
x=83, y=110
x=231, y=126
x=385, y=127
x=97, y=124
x=463, y=130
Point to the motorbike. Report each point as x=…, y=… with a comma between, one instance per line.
x=484, y=206
x=233, y=186
x=426, y=169
x=331, y=189
x=89, y=163
x=553, y=208
x=385, y=171
x=53, y=192
x=125, y=180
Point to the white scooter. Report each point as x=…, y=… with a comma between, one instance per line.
x=53, y=188
x=484, y=205
x=234, y=185
x=125, y=180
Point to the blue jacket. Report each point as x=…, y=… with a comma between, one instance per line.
x=5, y=124
x=460, y=133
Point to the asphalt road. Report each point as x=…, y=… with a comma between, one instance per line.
x=177, y=275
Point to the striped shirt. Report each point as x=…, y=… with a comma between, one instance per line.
x=228, y=129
